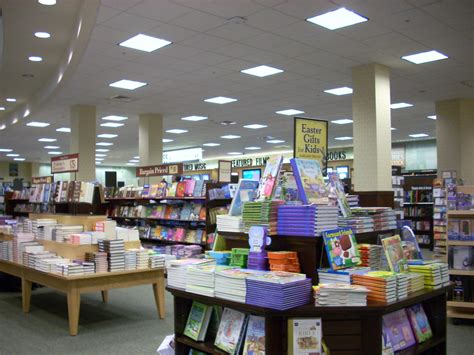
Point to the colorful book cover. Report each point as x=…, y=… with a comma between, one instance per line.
x=153, y=190
x=398, y=328
x=419, y=323
x=202, y=214
x=255, y=337
x=304, y=336
x=189, y=188
x=338, y=190
x=394, y=254
x=310, y=181
x=198, y=321
x=230, y=331
x=172, y=189
x=198, y=188
x=268, y=181
x=246, y=192
x=215, y=320
x=168, y=211
x=387, y=348
x=341, y=248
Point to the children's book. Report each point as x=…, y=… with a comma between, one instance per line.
x=398, y=328
x=338, y=190
x=189, y=188
x=180, y=189
x=387, y=348
x=268, y=181
x=255, y=337
x=394, y=252
x=172, y=189
x=198, y=188
x=231, y=330
x=341, y=248
x=198, y=321
x=215, y=321
x=304, y=336
x=310, y=181
x=419, y=323
x=246, y=192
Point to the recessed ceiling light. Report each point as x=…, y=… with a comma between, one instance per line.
x=107, y=135
x=211, y=144
x=101, y=155
x=114, y=118
x=134, y=161
x=51, y=147
x=2, y=127
x=433, y=117
x=38, y=124
x=35, y=58
x=230, y=136
x=262, y=71
x=393, y=129
x=99, y=159
x=145, y=43
x=98, y=162
x=339, y=91
x=130, y=164
x=55, y=153
x=6, y=150
x=235, y=153
x=289, y=112
x=47, y=2
x=11, y=99
x=220, y=100
x=167, y=140
x=137, y=157
x=425, y=57
x=253, y=148
x=15, y=120
x=343, y=138
x=419, y=135
x=194, y=118
x=112, y=124
x=42, y=34
x=127, y=84
x=105, y=144
x=282, y=146
x=13, y=155
x=2, y=108
x=102, y=150
x=342, y=121
x=337, y=19
x=400, y=105
x=275, y=141
x=177, y=131
x=47, y=140
x=255, y=126
x=19, y=159
x=63, y=129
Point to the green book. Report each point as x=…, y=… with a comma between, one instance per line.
x=198, y=321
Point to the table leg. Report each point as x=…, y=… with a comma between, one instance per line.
x=105, y=296
x=159, y=293
x=73, y=307
x=26, y=294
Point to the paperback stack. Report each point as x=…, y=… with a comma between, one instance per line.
x=130, y=260
x=61, y=232
x=353, y=200
x=342, y=276
x=191, y=251
x=340, y=294
x=382, y=285
x=142, y=258
x=71, y=269
x=6, y=250
x=435, y=274
x=370, y=255
x=416, y=282
x=257, y=260
x=226, y=223
x=49, y=265
x=239, y=257
x=384, y=218
x=88, y=267
x=156, y=261
x=37, y=226
x=284, y=261
x=306, y=221
x=221, y=257
x=177, y=270
x=200, y=279
x=230, y=284
x=115, y=250
x=18, y=240
x=263, y=213
x=402, y=286
x=358, y=224
x=278, y=290
x=99, y=259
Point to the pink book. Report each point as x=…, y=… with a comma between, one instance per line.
x=189, y=190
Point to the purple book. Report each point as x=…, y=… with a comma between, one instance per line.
x=398, y=328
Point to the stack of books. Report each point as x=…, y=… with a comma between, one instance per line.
x=358, y=223
x=384, y=218
x=382, y=285
x=49, y=265
x=402, y=286
x=230, y=284
x=61, y=232
x=353, y=200
x=416, y=282
x=130, y=259
x=18, y=240
x=263, y=213
x=239, y=257
x=306, y=221
x=221, y=257
x=370, y=255
x=142, y=258
x=156, y=261
x=71, y=269
x=89, y=268
x=340, y=294
x=115, y=250
x=284, y=261
x=99, y=259
x=191, y=251
x=37, y=226
x=200, y=279
x=257, y=260
x=435, y=274
x=342, y=276
x=177, y=270
x=226, y=223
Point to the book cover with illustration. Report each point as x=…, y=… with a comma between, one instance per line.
x=268, y=181
x=198, y=321
x=394, y=253
x=180, y=189
x=341, y=248
x=255, y=337
x=310, y=181
x=419, y=323
x=304, y=336
x=246, y=192
x=398, y=328
x=189, y=188
x=337, y=189
x=229, y=335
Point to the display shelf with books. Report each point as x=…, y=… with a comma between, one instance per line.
x=398, y=194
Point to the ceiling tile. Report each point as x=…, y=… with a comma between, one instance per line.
x=105, y=13
x=206, y=42
x=199, y=21
x=235, y=32
x=171, y=33
x=179, y=51
x=268, y=20
x=131, y=23
x=223, y=8
x=209, y=58
x=162, y=10
x=120, y=4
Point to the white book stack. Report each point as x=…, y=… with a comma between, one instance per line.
x=28, y=250
x=156, y=261
x=201, y=279
x=337, y=295
x=177, y=270
x=62, y=232
x=115, y=250
x=37, y=226
x=107, y=228
x=99, y=259
x=6, y=250
x=18, y=240
x=71, y=269
x=35, y=258
x=402, y=286
x=130, y=260
x=226, y=223
x=231, y=285
x=49, y=264
x=142, y=258
x=48, y=231
x=89, y=267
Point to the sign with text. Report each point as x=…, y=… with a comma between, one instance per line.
x=65, y=164
x=160, y=170
x=225, y=171
x=190, y=154
x=42, y=180
x=311, y=140
x=194, y=167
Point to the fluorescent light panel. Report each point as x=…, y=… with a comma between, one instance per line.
x=221, y=100
x=289, y=112
x=13, y=155
x=134, y=161
x=6, y=150
x=105, y=144
x=63, y=129
x=432, y=117
x=107, y=135
x=19, y=159
x=34, y=58
x=99, y=159
x=42, y=34
x=47, y=2
x=47, y=140
x=114, y=118
x=275, y=141
x=167, y=140
x=339, y=91
x=127, y=84
x=235, y=153
x=2, y=108
x=112, y=124
x=400, y=105
x=337, y=19
x=51, y=147
x=38, y=124
x=262, y=71
x=102, y=150
x=211, y=144
x=11, y=99
x=55, y=153
x=230, y=136
x=194, y=118
x=425, y=57
x=419, y=135
x=177, y=131
x=145, y=43
x=101, y=155
x=343, y=138
x=137, y=157
x=342, y=121
x=255, y=126
x=253, y=148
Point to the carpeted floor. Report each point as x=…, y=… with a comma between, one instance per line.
x=127, y=324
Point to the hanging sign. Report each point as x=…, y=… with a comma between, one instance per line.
x=65, y=164
x=160, y=170
x=38, y=180
x=225, y=171
x=311, y=140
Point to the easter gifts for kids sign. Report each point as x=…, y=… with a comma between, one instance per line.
x=311, y=140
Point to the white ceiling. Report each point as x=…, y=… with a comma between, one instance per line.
x=209, y=49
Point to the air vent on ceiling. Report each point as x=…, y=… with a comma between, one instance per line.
x=122, y=98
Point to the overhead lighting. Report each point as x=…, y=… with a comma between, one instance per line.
x=38, y=124
x=342, y=121
x=400, y=105
x=101, y=155
x=131, y=164
x=47, y=140
x=167, y=140
x=343, y=138
x=6, y=150
x=275, y=141
x=220, y=100
x=63, y=129
x=194, y=118
x=107, y=135
x=419, y=135
x=337, y=19
x=98, y=162
x=134, y=161
x=177, y=131
x=99, y=159
x=253, y=148
x=15, y=120
x=211, y=144
x=137, y=157
x=432, y=117
x=42, y=34
x=2, y=127
x=230, y=136
x=112, y=124
x=13, y=155
x=255, y=126
x=105, y=144
x=235, y=153
x=19, y=159
x=145, y=43
x=262, y=71
x=11, y=99
x=2, y=108
x=47, y=2
x=340, y=91
x=55, y=153
x=425, y=57
x=393, y=129
x=114, y=118
x=51, y=147
x=289, y=112
x=35, y=58
x=102, y=150
x=127, y=84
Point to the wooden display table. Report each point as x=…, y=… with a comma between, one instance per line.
x=346, y=330
x=73, y=286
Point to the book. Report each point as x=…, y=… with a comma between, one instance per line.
x=387, y=348
x=246, y=191
x=338, y=190
x=268, y=181
x=198, y=321
x=198, y=188
x=310, y=182
x=189, y=188
x=230, y=333
x=304, y=336
x=398, y=328
x=255, y=336
x=419, y=323
x=394, y=253
x=341, y=248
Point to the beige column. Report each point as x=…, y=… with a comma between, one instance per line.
x=455, y=137
x=35, y=169
x=150, y=138
x=372, y=133
x=83, y=139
